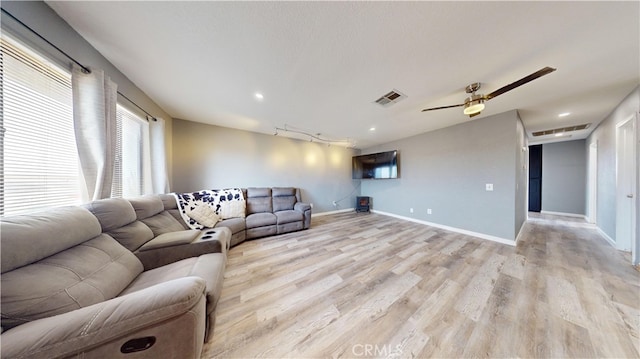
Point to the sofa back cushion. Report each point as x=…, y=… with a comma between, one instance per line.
x=112, y=212
x=284, y=198
x=147, y=206
x=162, y=223
x=133, y=235
x=118, y=219
x=88, y=273
x=168, y=201
x=150, y=211
x=259, y=200
x=29, y=238
x=171, y=206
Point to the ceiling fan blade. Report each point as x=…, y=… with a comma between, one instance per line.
x=544, y=71
x=441, y=107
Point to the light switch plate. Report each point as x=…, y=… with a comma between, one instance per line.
x=489, y=186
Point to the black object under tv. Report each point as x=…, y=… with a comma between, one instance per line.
x=383, y=165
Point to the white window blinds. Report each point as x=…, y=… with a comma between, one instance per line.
x=38, y=156
x=131, y=151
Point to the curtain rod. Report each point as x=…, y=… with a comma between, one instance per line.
x=84, y=68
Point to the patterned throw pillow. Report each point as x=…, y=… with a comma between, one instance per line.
x=205, y=215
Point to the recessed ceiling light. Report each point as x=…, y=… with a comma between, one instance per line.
x=259, y=96
x=564, y=114
x=372, y=129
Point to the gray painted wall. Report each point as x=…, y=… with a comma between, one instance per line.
x=564, y=174
x=605, y=137
x=208, y=157
x=40, y=17
x=446, y=170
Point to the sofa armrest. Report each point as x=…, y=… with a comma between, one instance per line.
x=211, y=240
x=87, y=329
x=301, y=206
x=305, y=208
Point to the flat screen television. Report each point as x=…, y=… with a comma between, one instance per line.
x=381, y=165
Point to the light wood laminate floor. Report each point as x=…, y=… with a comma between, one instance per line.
x=368, y=285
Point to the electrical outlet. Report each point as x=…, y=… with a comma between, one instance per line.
x=489, y=186
x=428, y=210
x=410, y=210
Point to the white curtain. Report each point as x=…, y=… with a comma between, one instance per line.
x=158, y=161
x=94, y=117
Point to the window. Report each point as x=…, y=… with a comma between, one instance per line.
x=131, y=153
x=39, y=163
x=38, y=156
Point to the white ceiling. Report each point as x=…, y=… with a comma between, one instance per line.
x=321, y=65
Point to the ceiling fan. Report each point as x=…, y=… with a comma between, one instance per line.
x=474, y=104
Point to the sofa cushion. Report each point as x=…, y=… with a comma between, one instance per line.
x=171, y=239
x=30, y=238
x=112, y=212
x=289, y=216
x=209, y=267
x=234, y=224
x=260, y=220
x=89, y=273
x=133, y=235
x=175, y=213
x=283, y=191
x=284, y=199
x=163, y=222
x=168, y=201
x=147, y=206
x=259, y=200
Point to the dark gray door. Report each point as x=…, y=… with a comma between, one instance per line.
x=535, y=178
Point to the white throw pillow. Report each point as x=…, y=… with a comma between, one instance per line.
x=232, y=209
x=205, y=215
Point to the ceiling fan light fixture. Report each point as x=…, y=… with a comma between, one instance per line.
x=473, y=105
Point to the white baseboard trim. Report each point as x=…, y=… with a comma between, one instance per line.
x=521, y=230
x=565, y=214
x=606, y=236
x=452, y=229
x=332, y=212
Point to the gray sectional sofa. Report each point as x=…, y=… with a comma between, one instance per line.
x=275, y=211
x=269, y=211
x=124, y=278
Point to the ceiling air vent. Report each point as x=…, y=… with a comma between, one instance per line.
x=390, y=98
x=561, y=130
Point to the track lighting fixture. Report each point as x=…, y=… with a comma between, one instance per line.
x=317, y=137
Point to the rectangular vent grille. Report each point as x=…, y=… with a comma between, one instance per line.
x=561, y=130
x=390, y=98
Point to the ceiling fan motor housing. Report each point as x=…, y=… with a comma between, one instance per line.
x=473, y=104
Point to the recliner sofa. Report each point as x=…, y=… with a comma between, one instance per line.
x=269, y=211
x=273, y=211
x=70, y=290
x=116, y=276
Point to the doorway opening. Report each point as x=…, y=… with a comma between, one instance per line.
x=535, y=178
x=626, y=186
x=593, y=183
